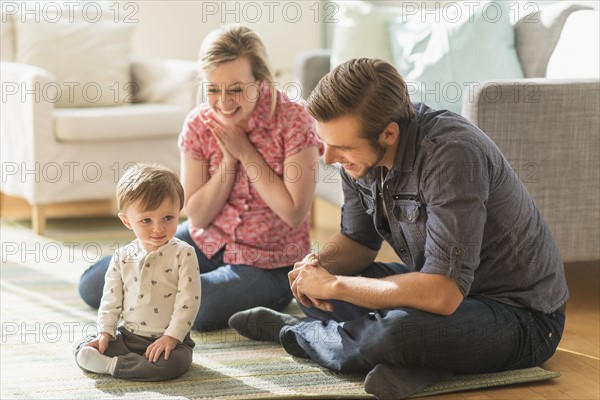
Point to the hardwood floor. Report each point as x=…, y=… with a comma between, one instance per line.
x=578, y=355
x=577, y=358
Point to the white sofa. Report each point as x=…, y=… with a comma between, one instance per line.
x=52, y=153
x=547, y=123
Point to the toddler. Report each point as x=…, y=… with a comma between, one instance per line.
x=152, y=286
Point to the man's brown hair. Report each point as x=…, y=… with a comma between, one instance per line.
x=370, y=89
x=149, y=183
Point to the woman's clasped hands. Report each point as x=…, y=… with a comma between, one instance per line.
x=232, y=139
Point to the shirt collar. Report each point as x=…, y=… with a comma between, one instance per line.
x=407, y=146
x=141, y=251
x=406, y=150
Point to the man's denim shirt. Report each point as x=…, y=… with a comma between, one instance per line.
x=456, y=207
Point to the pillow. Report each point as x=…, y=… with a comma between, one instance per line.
x=537, y=33
x=361, y=32
x=442, y=53
x=165, y=81
x=7, y=45
x=577, y=53
x=89, y=60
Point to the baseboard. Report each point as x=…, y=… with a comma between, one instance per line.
x=15, y=207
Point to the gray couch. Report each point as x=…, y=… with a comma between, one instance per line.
x=549, y=130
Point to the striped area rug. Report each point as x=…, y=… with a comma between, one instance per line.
x=42, y=317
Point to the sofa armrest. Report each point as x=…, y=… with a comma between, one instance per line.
x=28, y=95
x=549, y=132
x=310, y=67
x=165, y=81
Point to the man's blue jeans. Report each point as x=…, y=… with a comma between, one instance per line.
x=226, y=288
x=483, y=335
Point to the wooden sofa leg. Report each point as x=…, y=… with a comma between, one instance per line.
x=38, y=218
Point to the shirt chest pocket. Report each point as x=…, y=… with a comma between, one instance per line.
x=412, y=218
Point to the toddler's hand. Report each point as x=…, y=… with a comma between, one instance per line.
x=164, y=344
x=100, y=343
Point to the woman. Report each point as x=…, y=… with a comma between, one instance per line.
x=248, y=163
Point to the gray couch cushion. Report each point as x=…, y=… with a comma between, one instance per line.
x=310, y=67
x=548, y=131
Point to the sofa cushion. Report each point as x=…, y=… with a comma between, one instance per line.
x=440, y=54
x=537, y=33
x=577, y=53
x=89, y=60
x=100, y=124
x=361, y=32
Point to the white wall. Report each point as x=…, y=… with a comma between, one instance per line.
x=175, y=29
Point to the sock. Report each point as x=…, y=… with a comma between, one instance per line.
x=91, y=360
x=389, y=382
x=261, y=323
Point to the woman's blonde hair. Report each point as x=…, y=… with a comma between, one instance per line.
x=369, y=89
x=233, y=41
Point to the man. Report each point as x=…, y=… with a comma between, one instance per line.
x=482, y=287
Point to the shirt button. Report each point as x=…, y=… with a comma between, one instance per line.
x=409, y=217
x=457, y=252
x=402, y=251
x=246, y=207
x=239, y=220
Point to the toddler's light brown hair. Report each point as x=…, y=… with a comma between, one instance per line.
x=149, y=183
